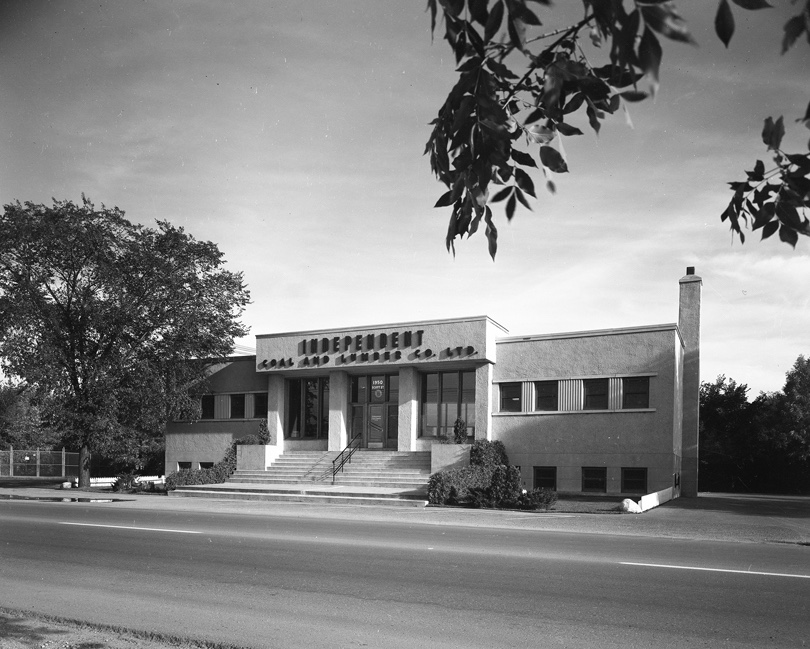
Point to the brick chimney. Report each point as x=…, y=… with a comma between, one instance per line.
x=689, y=325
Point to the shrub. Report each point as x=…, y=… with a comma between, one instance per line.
x=488, y=454
x=460, y=431
x=453, y=486
x=503, y=489
x=127, y=482
x=538, y=498
x=218, y=473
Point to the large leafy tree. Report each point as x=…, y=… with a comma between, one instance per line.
x=104, y=316
x=784, y=419
x=727, y=437
x=519, y=82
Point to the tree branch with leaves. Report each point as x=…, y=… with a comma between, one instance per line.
x=508, y=113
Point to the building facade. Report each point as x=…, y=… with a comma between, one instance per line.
x=610, y=411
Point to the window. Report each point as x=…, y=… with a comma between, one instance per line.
x=184, y=466
x=510, y=397
x=447, y=397
x=307, y=408
x=237, y=406
x=260, y=405
x=207, y=406
x=596, y=394
x=375, y=389
x=206, y=465
x=545, y=477
x=545, y=395
x=594, y=479
x=634, y=480
x=636, y=392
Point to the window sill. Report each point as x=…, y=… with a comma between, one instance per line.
x=544, y=413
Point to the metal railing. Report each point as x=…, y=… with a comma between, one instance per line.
x=38, y=463
x=345, y=455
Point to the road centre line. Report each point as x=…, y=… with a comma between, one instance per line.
x=740, y=572
x=126, y=527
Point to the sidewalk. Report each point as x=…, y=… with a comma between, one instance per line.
x=719, y=517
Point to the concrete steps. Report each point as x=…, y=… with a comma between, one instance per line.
x=371, y=478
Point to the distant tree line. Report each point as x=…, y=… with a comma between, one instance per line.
x=760, y=446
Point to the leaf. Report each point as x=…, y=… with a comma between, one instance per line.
x=445, y=199
x=664, y=19
x=773, y=132
x=517, y=32
x=551, y=187
x=634, y=95
x=769, y=229
x=478, y=11
x=494, y=21
x=522, y=199
x=567, y=129
x=510, y=208
x=752, y=4
x=525, y=183
x=793, y=29
x=501, y=195
x=758, y=173
x=806, y=118
x=539, y=134
x=552, y=159
x=491, y=234
x=724, y=22
x=649, y=54
x=788, y=235
x=523, y=158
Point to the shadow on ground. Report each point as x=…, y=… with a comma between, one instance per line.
x=747, y=504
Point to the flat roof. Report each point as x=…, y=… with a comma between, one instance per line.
x=386, y=325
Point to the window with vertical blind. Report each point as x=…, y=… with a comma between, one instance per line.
x=511, y=397
x=446, y=398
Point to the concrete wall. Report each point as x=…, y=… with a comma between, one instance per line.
x=203, y=441
x=614, y=438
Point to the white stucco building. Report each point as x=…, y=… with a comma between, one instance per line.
x=610, y=411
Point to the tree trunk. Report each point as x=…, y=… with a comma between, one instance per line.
x=84, y=466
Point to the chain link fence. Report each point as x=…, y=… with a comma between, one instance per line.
x=38, y=463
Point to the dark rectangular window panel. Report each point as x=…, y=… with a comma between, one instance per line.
x=594, y=479
x=636, y=392
x=545, y=395
x=260, y=405
x=446, y=398
x=359, y=389
x=206, y=465
x=634, y=480
x=184, y=466
x=393, y=388
x=237, y=406
x=293, y=429
x=545, y=477
x=207, y=406
x=596, y=394
x=511, y=397
x=307, y=408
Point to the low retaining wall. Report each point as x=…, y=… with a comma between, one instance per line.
x=656, y=498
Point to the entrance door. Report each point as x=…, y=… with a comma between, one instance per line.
x=375, y=436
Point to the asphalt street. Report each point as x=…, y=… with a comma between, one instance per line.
x=276, y=576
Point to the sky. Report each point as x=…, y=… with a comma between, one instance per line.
x=291, y=134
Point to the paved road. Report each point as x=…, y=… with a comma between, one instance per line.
x=287, y=580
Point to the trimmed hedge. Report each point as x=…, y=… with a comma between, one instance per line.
x=218, y=473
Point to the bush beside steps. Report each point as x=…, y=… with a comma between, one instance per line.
x=489, y=482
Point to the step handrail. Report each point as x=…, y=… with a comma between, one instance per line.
x=345, y=455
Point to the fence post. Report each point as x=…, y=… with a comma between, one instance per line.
x=11, y=461
x=63, y=461
x=37, y=461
